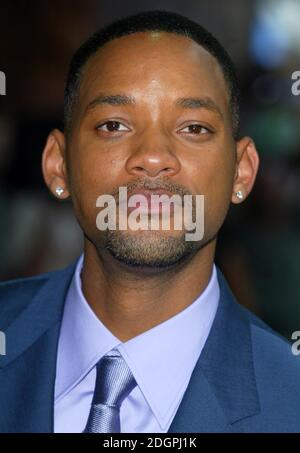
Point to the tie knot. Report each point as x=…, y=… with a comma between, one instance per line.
x=114, y=380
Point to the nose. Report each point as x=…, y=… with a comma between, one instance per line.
x=153, y=156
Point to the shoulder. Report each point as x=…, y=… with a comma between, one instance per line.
x=274, y=355
x=271, y=351
x=269, y=348
x=275, y=367
x=268, y=344
x=277, y=373
x=15, y=295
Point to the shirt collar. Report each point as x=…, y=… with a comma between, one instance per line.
x=161, y=359
x=84, y=339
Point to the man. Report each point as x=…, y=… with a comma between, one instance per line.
x=142, y=334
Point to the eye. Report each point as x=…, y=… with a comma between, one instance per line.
x=112, y=126
x=195, y=129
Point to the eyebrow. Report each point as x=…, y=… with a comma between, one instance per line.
x=186, y=103
x=113, y=99
x=199, y=103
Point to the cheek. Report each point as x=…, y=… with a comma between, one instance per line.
x=221, y=179
x=219, y=192
x=92, y=173
x=94, y=169
x=213, y=174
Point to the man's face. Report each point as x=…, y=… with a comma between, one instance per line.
x=170, y=130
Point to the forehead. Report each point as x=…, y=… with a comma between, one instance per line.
x=154, y=62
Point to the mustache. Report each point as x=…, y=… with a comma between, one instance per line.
x=151, y=184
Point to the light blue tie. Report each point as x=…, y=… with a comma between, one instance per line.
x=114, y=382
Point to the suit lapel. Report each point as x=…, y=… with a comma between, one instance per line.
x=27, y=372
x=222, y=389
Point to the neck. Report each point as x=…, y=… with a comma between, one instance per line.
x=130, y=301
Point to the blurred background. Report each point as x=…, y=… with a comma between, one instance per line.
x=259, y=246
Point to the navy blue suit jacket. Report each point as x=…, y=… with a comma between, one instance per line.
x=246, y=379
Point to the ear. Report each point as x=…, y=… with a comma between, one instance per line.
x=246, y=169
x=54, y=164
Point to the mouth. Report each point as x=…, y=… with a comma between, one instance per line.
x=155, y=201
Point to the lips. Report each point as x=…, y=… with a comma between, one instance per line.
x=147, y=192
x=154, y=206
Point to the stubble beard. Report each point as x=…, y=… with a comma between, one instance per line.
x=148, y=249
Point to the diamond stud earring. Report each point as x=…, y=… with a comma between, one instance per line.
x=59, y=190
x=239, y=194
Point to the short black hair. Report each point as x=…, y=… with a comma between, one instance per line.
x=150, y=21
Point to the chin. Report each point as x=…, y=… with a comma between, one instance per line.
x=148, y=252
